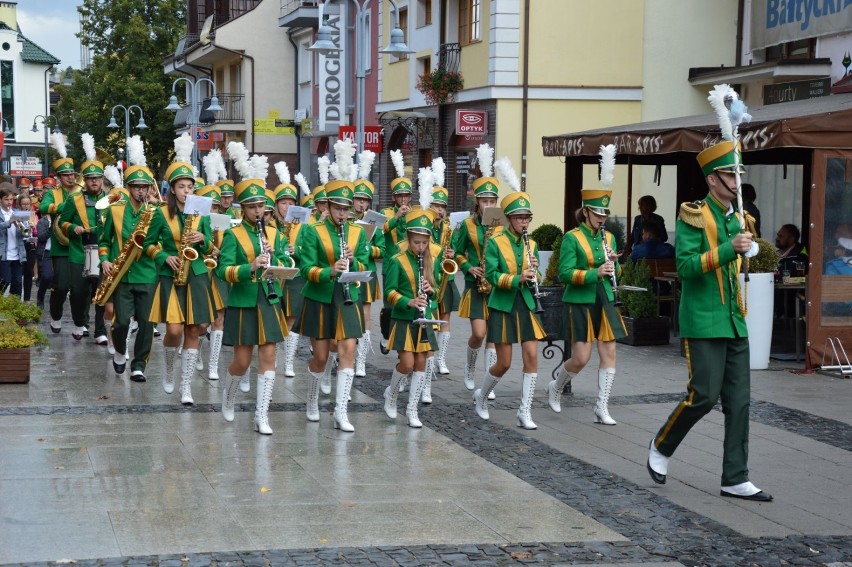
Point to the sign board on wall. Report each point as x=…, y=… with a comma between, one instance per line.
x=797, y=90
x=372, y=137
x=471, y=122
x=782, y=21
x=24, y=167
x=333, y=76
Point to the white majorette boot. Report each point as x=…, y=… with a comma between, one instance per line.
x=606, y=376
x=169, y=374
x=110, y=347
x=189, y=357
x=555, y=387
x=265, y=382
x=325, y=383
x=524, y=412
x=470, y=368
x=361, y=355
x=344, y=385
x=391, y=393
x=291, y=343
x=199, y=364
x=312, y=411
x=215, y=349
x=441, y=358
x=490, y=360
x=480, y=397
x=426, y=397
x=418, y=379
x=245, y=381
x=229, y=396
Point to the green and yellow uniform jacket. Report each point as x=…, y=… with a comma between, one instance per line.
x=240, y=246
x=401, y=278
x=505, y=258
x=319, y=249
x=393, y=230
x=51, y=204
x=79, y=210
x=708, y=269
x=467, y=243
x=375, y=249
x=119, y=224
x=166, y=231
x=233, y=212
x=581, y=254
x=295, y=238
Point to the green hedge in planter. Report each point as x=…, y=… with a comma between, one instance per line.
x=637, y=304
x=547, y=236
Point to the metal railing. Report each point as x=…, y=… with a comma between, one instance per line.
x=449, y=56
x=233, y=111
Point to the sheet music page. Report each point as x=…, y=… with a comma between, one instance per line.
x=196, y=205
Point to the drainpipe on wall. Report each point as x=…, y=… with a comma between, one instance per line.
x=526, y=88
x=740, y=12
x=250, y=58
x=296, y=97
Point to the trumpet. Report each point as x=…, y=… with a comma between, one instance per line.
x=271, y=294
x=609, y=255
x=347, y=293
x=537, y=293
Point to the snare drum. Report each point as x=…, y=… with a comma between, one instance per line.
x=91, y=262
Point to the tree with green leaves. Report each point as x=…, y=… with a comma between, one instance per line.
x=128, y=40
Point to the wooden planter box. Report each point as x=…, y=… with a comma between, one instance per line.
x=14, y=366
x=646, y=331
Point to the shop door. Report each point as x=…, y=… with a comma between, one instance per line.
x=829, y=301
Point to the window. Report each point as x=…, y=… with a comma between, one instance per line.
x=469, y=21
x=425, y=65
x=403, y=25
x=799, y=49
x=7, y=80
x=424, y=13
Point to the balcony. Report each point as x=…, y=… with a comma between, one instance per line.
x=299, y=13
x=449, y=56
x=233, y=111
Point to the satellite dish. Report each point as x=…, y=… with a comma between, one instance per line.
x=181, y=47
x=204, y=36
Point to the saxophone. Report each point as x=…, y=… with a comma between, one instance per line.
x=129, y=253
x=482, y=285
x=186, y=253
x=448, y=265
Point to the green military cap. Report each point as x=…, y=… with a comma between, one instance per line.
x=209, y=191
x=485, y=187
x=420, y=220
x=286, y=191
x=440, y=195
x=226, y=186
x=596, y=200
x=63, y=165
x=364, y=189
x=179, y=170
x=400, y=186
x=721, y=157
x=250, y=191
x=339, y=192
x=138, y=174
x=92, y=168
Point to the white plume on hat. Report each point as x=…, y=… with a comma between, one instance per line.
x=303, y=184
x=183, y=148
x=398, y=162
x=365, y=164
x=212, y=167
x=259, y=167
x=425, y=183
x=282, y=171
x=136, y=151
x=507, y=172
x=89, y=146
x=113, y=176
x=439, y=169
x=729, y=109
x=57, y=141
x=344, y=161
x=323, y=165
x=607, y=154
x=239, y=153
x=485, y=156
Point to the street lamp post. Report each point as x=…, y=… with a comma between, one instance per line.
x=113, y=124
x=194, y=108
x=325, y=46
x=45, y=122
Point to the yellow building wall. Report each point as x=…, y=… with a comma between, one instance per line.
x=474, y=57
x=396, y=73
x=586, y=43
x=9, y=14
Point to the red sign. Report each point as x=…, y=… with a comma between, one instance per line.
x=204, y=141
x=372, y=137
x=471, y=122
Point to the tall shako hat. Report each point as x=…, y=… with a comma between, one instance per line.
x=214, y=170
x=91, y=167
x=25, y=183
x=517, y=202
x=341, y=189
x=252, y=170
x=486, y=185
x=285, y=189
x=364, y=188
x=439, y=192
x=64, y=164
x=421, y=219
x=48, y=181
x=117, y=191
x=323, y=165
x=597, y=200
x=400, y=184
x=138, y=171
x=305, y=191
x=731, y=112
x=181, y=168
x=226, y=186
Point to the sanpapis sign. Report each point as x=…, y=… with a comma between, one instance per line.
x=780, y=21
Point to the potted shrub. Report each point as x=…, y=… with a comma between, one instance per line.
x=550, y=284
x=760, y=300
x=439, y=86
x=12, y=308
x=639, y=308
x=548, y=237
x=16, y=341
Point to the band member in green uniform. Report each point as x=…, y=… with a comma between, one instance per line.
x=511, y=264
x=184, y=296
x=364, y=190
x=226, y=189
x=254, y=315
x=318, y=195
x=326, y=315
x=708, y=243
x=125, y=226
x=448, y=294
x=469, y=243
x=589, y=266
x=51, y=205
x=410, y=283
x=79, y=220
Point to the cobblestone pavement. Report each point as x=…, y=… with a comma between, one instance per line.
x=82, y=466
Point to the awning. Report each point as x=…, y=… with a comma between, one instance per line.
x=824, y=122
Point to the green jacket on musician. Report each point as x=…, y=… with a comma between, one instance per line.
x=240, y=246
x=581, y=254
x=319, y=249
x=79, y=210
x=166, y=230
x=505, y=258
x=119, y=223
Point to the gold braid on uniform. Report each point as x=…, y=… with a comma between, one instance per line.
x=690, y=213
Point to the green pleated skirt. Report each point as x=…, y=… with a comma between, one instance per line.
x=518, y=326
x=473, y=304
x=371, y=292
x=221, y=289
x=585, y=322
x=293, y=298
x=451, y=299
x=258, y=325
x=406, y=336
x=333, y=320
x=190, y=304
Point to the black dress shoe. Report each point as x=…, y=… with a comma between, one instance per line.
x=86, y=332
x=758, y=497
x=655, y=476
x=119, y=368
x=138, y=377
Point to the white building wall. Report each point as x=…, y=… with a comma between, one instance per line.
x=30, y=90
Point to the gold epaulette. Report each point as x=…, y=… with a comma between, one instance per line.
x=690, y=213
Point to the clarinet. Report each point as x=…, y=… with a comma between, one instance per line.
x=271, y=294
x=347, y=293
x=609, y=254
x=537, y=294
x=424, y=338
